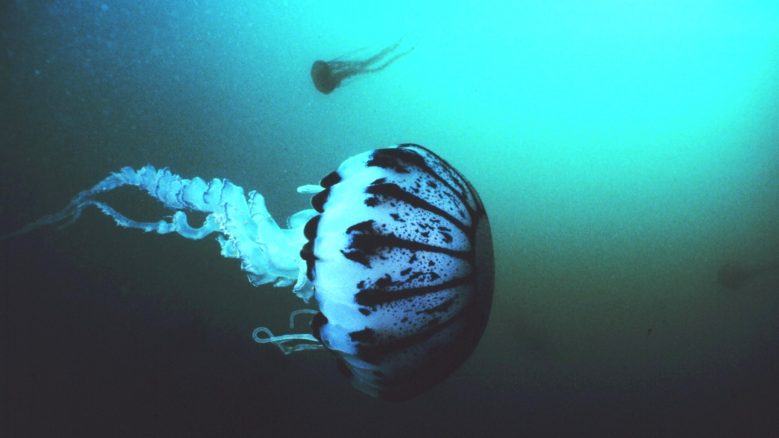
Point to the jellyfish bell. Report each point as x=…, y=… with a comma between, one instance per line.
x=322, y=76
x=400, y=257
x=397, y=252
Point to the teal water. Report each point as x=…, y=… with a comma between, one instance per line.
x=624, y=152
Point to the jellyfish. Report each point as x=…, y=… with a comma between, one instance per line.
x=396, y=252
x=328, y=75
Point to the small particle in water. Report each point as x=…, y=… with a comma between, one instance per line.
x=103, y=7
x=36, y=72
x=649, y=331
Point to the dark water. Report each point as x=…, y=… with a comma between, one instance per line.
x=621, y=168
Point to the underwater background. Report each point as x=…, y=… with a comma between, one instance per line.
x=625, y=152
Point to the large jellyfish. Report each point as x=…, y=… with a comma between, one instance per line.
x=328, y=75
x=396, y=251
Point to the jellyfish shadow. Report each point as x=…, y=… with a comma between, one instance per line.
x=736, y=276
x=328, y=75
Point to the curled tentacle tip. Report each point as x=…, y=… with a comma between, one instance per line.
x=307, y=341
x=262, y=340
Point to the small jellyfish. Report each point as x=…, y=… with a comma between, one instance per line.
x=328, y=75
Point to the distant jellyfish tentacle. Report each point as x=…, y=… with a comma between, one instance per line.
x=388, y=62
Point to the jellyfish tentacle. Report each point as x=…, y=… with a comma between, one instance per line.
x=247, y=231
x=378, y=56
x=295, y=313
x=387, y=63
x=307, y=341
x=178, y=223
x=302, y=341
x=73, y=210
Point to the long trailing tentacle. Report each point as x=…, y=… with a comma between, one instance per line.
x=268, y=253
x=73, y=210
